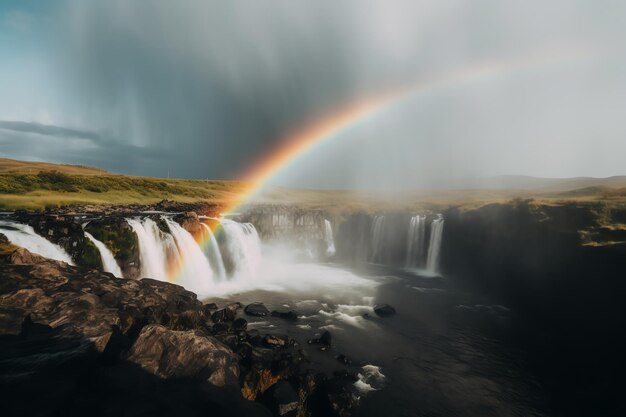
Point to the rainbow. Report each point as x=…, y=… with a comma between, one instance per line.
x=327, y=128
x=333, y=125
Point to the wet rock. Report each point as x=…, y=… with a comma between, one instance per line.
x=325, y=339
x=210, y=307
x=343, y=359
x=287, y=315
x=275, y=341
x=281, y=399
x=254, y=337
x=256, y=309
x=366, y=316
x=179, y=354
x=240, y=324
x=219, y=328
x=223, y=315
x=189, y=221
x=384, y=310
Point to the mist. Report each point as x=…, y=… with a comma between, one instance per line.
x=203, y=90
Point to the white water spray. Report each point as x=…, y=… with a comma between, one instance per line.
x=378, y=240
x=153, y=248
x=434, y=247
x=212, y=251
x=25, y=236
x=415, y=242
x=109, y=264
x=192, y=266
x=329, y=239
x=241, y=247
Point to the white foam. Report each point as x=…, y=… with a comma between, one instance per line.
x=25, y=236
x=371, y=379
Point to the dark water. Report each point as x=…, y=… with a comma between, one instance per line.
x=445, y=353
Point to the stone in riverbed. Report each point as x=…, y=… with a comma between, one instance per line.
x=223, y=315
x=287, y=315
x=325, y=339
x=281, y=399
x=275, y=341
x=384, y=310
x=256, y=309
x=184, y=354
x=240, y=324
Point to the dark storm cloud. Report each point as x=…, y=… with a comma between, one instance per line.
x=35, y=141
x=217, y=82
x=205, y=88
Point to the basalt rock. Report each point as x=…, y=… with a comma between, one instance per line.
x=178, y=354
x=287, y=315
x=137, y=338
x=281, y=399
x=325, y=339
x=190, y=222
x=256, y=309
x=384, y=310
x=223, y=315
x=240, y=324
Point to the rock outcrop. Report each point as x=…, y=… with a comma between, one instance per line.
x=88, y=342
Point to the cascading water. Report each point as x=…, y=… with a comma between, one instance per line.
x=329, y=239
x=191, y=265
x=109, y=264
x=434, y=246
x=241, y=247
x=212, y=251
x=154, y=246
x=415, y=242
x=377, y=233
x=25, y=236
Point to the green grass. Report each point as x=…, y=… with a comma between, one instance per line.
x=50, y=189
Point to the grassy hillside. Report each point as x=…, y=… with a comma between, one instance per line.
x=39, y=185
x=35, y=186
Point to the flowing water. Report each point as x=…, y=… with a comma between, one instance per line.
x=329, y=239
x=436, y=233
x=109, y=264
x=425, y=360
x=415, y=242
x=26, y=237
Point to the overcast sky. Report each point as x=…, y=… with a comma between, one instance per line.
x=203, y=89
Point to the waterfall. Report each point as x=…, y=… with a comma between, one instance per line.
x=436, y=232
x=154, y=246
x=212, y=251
x=415, y=242
x=109, y=264
x=25, y=236
x=241, y=248
x=192, y=266
x=377, y=233
x=329, y=239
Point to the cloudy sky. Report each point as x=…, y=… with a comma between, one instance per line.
x=204, y=89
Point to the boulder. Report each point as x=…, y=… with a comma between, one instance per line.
x=240, y=324
x=223, y=315
x=275, y=341
x=325, y=339
x=287, y=315
x=184, y=354
x=384, y=310
x=281, y=399
x=256, y=309
x=190, y=222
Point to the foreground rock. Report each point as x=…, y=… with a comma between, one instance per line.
x=86, y=342
x=256, y=309
x=384, y=310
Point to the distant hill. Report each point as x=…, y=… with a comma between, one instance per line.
x=553, y=185
x=13, y=166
